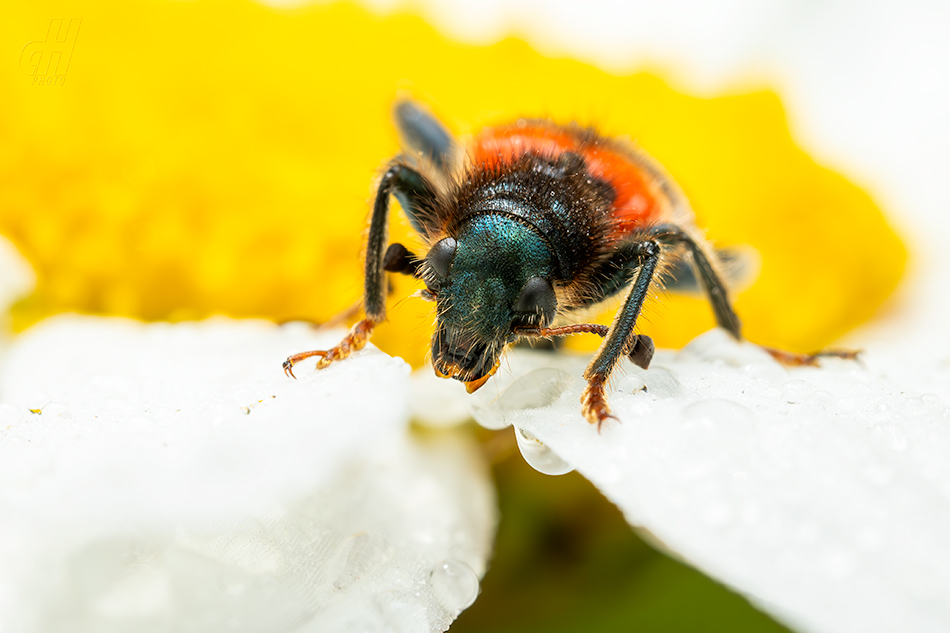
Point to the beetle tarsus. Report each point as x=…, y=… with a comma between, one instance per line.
x=354, y=341
x=296, y=358
x=795, y=359
x=594, y=402
x=289, y=369
x=844, y=354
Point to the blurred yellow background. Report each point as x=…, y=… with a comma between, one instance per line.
x=217, y=157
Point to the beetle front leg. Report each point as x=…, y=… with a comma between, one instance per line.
x=407, y=184
x=353, y=342
x=620, y=339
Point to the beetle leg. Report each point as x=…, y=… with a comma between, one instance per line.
x=794, y=359
x=620, y=339
x=641, y=349
x=413, y=192
x=352, y=342
x=709, y=276
x=594, y=401
x=405, y=183
x=716, y=291
x=565, y=330
x=612, y=275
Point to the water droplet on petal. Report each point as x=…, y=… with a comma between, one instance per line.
x=539, y=456
x=796, y=391
x=631, y=384
x=822, y=399
x=454, y=585
x=718, y=418
x=661, y=383
x=358, y=556
x=932, y=400
x=915, y=406
x=535, y=390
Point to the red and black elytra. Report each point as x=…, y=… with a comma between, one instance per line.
x=530, y=226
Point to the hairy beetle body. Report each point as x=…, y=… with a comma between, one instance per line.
x=528, y=228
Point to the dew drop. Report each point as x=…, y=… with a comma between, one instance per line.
x=535, y=390
x=822, y=399
x=661, y=382
x=915, y=407
x=719, y=416
x=631, y=384
x=861, y=392
x=454, y=585
x=539, y=456
x=932, y=400
x=357, y=557
x=796, y=391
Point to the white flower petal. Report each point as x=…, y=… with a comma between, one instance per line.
x=823, y=494
x=174, y=478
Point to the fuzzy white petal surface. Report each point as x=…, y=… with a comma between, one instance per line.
x=823, y=494
x=171, y=476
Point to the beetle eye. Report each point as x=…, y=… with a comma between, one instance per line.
x=440, y=256
x=538, y=296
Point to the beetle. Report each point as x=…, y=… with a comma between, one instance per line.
x=528, y=227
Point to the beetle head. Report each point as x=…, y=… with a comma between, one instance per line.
x=490, y=278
